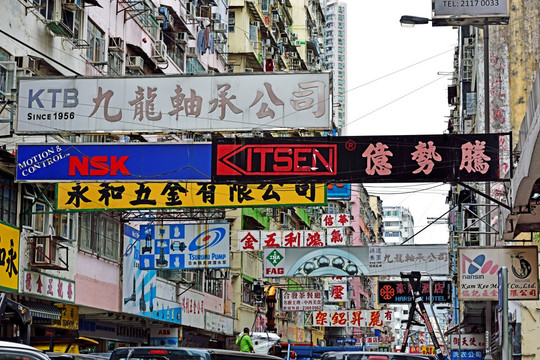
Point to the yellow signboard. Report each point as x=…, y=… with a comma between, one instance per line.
x=69, y=318
x=118, y=196
x=9, y=257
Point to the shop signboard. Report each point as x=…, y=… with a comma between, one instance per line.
x=307, y=300
x=357, y=159
x=49, y=286
x=350, y=318
x=399, y=292
x=221, y=102
x=9, y=252
x=354, y=260
x=121, y=196
x=113, y=162
x=478, y=267
x=218, y=323
x=185, y=246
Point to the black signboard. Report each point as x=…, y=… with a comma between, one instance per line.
x=357, y=159
x=399, y=292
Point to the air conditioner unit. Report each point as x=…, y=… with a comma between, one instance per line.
x=42, y=250
x=255, y=23
x=220, y=27
x=116, y=44
x=47, y=251
x=72, y=5
x=468, y=41
x=160, y=51
x=135, y=63
x=275, y=17
x=191, y=51
x=158, y=15
x=190, y=277
x=26, y=63
x=268, y=42
x=215, y=17
x=182, y=37
x=291, y=54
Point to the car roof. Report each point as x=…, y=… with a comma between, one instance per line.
x=375, y=353
x=192, y=351
x=9, y=344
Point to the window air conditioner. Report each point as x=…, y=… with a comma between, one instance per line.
x=116, y=44
x=215, y=17
x=135, y=63
x=220, y=27
x=160, y=51
x=191, y=51
x=182, y=37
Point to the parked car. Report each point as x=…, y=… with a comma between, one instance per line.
x=11, y=350
x=170, y=353
x=67, y=356
x=373, y=355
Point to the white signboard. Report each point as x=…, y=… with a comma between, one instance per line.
x=343, y=318
x=337, y=293
x=355, y=260
x=335, y=220
x=256, y=240
x=50, y=287
x=302, y=300
x=470, y=8
x=219, y=323
x=392, y=260
x=467, y=342
x=239, y=102
x=478, y=272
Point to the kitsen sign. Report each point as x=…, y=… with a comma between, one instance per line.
x=174, y=103
x=418, y=158
x=113, y=162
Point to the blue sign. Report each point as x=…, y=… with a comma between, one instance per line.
x=139, y=287
x=467, y=354
x=114, y=162
x=184, y=246
x=338, y=191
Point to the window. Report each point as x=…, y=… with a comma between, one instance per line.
x=265, y=6
x=8, y=201
x=72, y=19
x=232, y=21
x=96, y=40
x=247, y=292
x=65, y=225
x=115, y=63
x=100, y=235
x=194, y=67
x=213, y=287
x=46, y=8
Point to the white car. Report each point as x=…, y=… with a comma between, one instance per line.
x=11, y=351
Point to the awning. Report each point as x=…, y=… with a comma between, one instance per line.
x=44, y=311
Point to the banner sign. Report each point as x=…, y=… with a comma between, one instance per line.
x=256, y=240
x=399, y=292
x=354, y=260
x=308, y=300
x=9, y=254
x=335, y=220
x=174, y=103
x=356, y=159
x=392, y=260
x=184, y=246
x=467, y=342
x=123, y=196
x=468, y=12
x=337, y=293
x=139, y=287
x=49, y=286
x=218, y=323
x=343, y=318
x=478, y=268
x=113, y=162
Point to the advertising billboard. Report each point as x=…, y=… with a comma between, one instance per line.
x=221, y=102
x=399, y=292
x=478, y=267
x=354, y=260
x=120, y=196
x=185, y=246
x=113, y=162
x=139, y=287
x=357, y=159
x=470, y=12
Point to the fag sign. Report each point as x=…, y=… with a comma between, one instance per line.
x=357, y=159
x=399, y=292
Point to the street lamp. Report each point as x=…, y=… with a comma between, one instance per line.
x=408, y=20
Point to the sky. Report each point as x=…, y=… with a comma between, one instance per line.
x=397, y=79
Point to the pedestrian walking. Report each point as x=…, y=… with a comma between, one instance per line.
x=246, y=345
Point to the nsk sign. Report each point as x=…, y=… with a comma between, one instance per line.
x=113, y=162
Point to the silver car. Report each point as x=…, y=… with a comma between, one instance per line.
x=11, y=350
